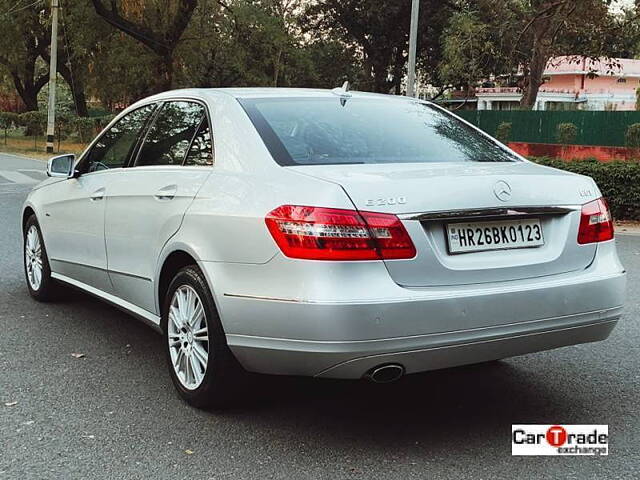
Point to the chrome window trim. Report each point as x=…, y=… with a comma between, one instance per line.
x=116, y=119
x=134, y=160
x=501, y=212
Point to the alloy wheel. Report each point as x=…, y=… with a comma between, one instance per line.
x=33, y=258
x=188, y=337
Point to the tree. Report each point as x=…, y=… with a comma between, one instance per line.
x=80, y=31
x=120, y=71
x=380, y=31
x=232, y=43
x=22, y=39
x=559, y=27
x=157, y=24
x=473, y=48
x=521, y=36
x=26, y=40
x=259, y=43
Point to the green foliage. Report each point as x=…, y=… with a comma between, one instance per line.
x=503, y=133
x=34, y=122
x=474, y=46
x=102, y=121
x=518, y=37
x=379, y=29
x=619, y=182
x=632, y=136
x=637, y=99
x=134, y=48
x=64, y=124
x=84, y=127
x=566, y=133
x=8, y=120
x=67, y=124
x=260, y=44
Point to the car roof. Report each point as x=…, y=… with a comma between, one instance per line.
x=262, y=92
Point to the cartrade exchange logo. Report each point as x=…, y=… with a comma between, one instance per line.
x=559, y=439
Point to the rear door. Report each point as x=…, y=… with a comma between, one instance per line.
x=146, y=205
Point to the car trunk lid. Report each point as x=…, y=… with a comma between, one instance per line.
x=428, y=197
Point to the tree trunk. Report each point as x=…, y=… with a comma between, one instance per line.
x=276, y=67
x=28, y=90
x=76, y=85
x=164, y=73
x=162, y=43
x=29, y=96
x=548, y=14
x=366, y=83
x=398, y=71
x=381, y=82
x=533, y=80
x=80, y=101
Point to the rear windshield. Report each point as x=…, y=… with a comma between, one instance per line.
x=324, y=131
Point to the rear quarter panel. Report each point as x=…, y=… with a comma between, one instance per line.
x=226, y=221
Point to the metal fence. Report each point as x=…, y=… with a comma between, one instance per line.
x=594, y=127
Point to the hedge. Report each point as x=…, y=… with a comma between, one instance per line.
x=619, y=182
x=632, y=137
x=503, y=132
x=35, y=123
x=566, y=133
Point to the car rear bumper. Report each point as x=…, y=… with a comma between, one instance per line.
x=329, y=325
x=416, y=354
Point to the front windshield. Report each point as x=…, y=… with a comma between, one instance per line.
x=323, y=131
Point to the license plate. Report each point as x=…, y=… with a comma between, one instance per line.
x=496, y=235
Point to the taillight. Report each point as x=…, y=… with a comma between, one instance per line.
x=596, y=224
x=317, y=233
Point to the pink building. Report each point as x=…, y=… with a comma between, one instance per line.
x=575, y=83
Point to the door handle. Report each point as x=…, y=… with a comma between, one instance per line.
x=167, y=193
x=98, y=194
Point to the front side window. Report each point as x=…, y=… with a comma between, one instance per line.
x=171, y=134
x=325, y=130
x=113, y=148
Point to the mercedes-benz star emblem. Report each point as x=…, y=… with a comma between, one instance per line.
x=502, y=190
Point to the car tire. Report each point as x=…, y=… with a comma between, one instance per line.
x=218, y=383
x=37, y=271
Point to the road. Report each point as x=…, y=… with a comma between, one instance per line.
x=113, y=414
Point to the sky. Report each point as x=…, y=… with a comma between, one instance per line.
x=618, y=4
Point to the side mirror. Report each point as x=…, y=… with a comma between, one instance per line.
x=61, y=166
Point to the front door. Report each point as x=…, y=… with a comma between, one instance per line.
x=74, y=217
x=74, y=224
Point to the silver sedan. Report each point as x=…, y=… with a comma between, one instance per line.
x=324, y=233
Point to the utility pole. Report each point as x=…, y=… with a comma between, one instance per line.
x=413, y=38
x=53, y=71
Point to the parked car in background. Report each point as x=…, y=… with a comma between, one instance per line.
x=322, y=233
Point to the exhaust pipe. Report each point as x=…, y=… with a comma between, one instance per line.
x=385, y=373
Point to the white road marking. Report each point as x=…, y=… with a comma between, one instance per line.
x=15, y=156
x=17, y=177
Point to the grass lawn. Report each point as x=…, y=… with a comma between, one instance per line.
x=30, y=147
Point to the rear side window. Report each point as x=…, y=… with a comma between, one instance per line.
x=201, y=151
x=323, y=131
x=113, y=148
x=171, y=134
